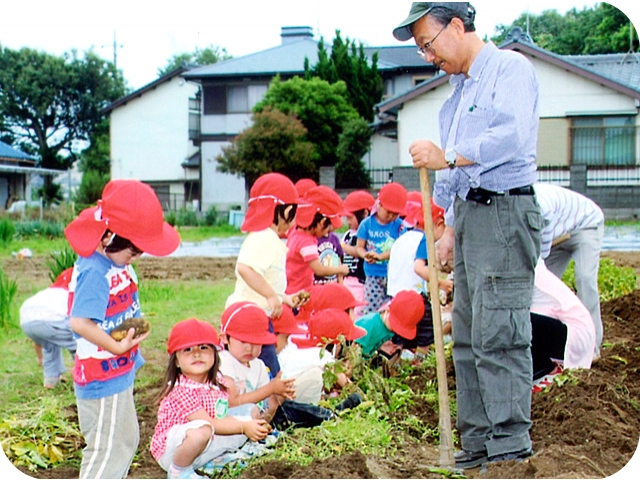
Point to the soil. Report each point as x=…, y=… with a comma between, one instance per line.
x=587, y=428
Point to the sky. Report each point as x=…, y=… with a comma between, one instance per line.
x=148, y=33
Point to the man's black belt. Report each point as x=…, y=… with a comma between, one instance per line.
x=480, y=195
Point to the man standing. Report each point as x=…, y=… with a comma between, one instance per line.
x=488, y=130
x=574, y=230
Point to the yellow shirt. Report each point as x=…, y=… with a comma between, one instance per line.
x=265, y=253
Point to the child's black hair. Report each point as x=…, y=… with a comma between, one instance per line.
x=173, y=372
x=279, y=213
x=317, y=220
x=361, y=214
x=119, y=243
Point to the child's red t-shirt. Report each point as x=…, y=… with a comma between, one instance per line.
x=303, y=248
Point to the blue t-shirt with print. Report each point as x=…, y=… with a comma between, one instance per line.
x=378, y=238
x=421, y=252
x=107, y=294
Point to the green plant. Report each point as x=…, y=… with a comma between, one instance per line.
x=211, y=216
x=613, y=281
x=8, y=290
x=59, y=261
x=40, y=435
x=7, y=231
x=42, y=228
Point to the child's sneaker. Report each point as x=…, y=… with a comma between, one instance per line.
x=543, y=382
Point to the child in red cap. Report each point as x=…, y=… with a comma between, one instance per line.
x=408, y=271
x=127, y=221
x=260, y=268
x=358, y=205
x=376, y=235
x=398, y=316
x=244, y=328
x=194, y=405
x=322, y=208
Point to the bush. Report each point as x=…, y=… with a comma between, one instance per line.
x=7, y=231
x=211, y=217
x=8, y=290
x=59, y=261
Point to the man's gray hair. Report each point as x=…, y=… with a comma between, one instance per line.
x=444, y=16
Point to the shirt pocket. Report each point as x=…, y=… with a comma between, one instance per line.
x=474, y=120
x=506, y=301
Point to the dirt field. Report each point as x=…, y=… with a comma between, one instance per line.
x=585, y=429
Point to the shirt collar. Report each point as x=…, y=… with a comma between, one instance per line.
x=477, y=66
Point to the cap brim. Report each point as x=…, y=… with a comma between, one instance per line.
x=85, y=232
x=403, y=31
x=397, y=327
x=164, y=244
x=355, y=333
x=336, y=221
x=307, y=342
x=266, y=338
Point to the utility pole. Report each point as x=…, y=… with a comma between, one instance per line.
x=115, y=49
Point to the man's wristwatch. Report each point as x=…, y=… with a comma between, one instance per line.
x=451, y=156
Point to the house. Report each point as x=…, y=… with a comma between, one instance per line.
x=169, y=133
x=230, y=90
x=152, y=139
x=17, y=170
x=588, y=137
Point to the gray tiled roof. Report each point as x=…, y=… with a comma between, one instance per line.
x=289, y=59
x=7, y=151
x=619, y=67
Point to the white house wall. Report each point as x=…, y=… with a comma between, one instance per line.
x=221, y=189
x=150, y=134
x=230, y=123
x=562, y=94
x=418, y=120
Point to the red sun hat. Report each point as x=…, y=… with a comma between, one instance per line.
x=304, y=185
x=191, y=332
x=393, y=197
x=329, y=295
x=130, y=209
x=414, y=196
x=268, y=191
x=415, y=213
x=63, y=280
x=326, y=326
x=286, y=323
x=406, y=309
x=247, y=322
x=320, y=199
x=359, y=200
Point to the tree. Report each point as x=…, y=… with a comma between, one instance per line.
x=603, y=29
x=95, y=165
x=350, y=64
x=200, y=57
x=354, y=143
x=47, y=103
x=275, y=142
x=322, y=108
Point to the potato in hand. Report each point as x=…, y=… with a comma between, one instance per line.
x=140, y=324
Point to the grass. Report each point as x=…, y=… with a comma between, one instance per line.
x=199, y=234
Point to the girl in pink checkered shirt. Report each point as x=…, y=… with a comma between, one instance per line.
x=194, y=405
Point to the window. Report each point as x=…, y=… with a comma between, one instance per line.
x=604, y=141
x=219, y=100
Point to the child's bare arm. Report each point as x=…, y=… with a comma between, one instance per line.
x=274, y=387
x=350, y=250
x=422, y=270
x=325, y=270
x=88, y=329
x=254, y=429
x=360, y=248
x=257, y=282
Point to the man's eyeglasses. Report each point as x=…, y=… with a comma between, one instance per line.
x=422, y=51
